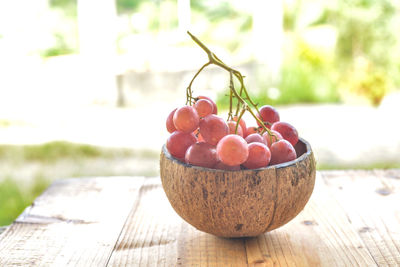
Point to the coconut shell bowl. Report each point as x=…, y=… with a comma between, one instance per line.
x=239, y=203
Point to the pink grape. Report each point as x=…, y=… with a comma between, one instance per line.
x=251, y=130
x=255, y=137
x=259, y=156
x=204, y=107
x=186, y=119
x=268, y=114
x=170, y=122
x=232, y=128
x=222, y=166
x=287, y=131
x=272, y=138
x=201, y=154
x=232, y=150
x=282, y=151
x=178, y=142
x=215, y=109
x=213, y=128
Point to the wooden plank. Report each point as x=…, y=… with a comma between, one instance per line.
x=154, y=235
x=320, y=235
x=351, y=219
x=75, y=222
x=372, y=204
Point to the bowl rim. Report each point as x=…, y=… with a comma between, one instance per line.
x=305, y=155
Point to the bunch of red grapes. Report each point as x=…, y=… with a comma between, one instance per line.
x=202, y=138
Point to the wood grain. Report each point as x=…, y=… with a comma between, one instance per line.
x=374, y=211
x=75, y=222
x=352, y=219
x=320, y=236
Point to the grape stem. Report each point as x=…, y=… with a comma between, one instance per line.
x=242, y=104
x=230, y=116
x=189, y=88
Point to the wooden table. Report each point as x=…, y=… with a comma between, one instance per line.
x=352, y=219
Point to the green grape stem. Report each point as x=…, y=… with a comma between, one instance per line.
x=230, y=116
x=189, y=88
x=213, y=59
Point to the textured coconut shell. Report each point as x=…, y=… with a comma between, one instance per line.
x=239, y=203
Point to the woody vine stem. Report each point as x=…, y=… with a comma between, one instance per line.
x=244, y=102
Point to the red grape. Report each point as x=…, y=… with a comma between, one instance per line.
x=215, y=109
x=272, y=138
x=232, y=128
x=213, y=128
x=255, y=137
x=201, y=154
x=282, y=151
x=186, y=119
x=268, y=114
x=287, y=131
x=232, y=150
x=178, y=142
x=204, y=107
x=222, y=166
x=259, y=156
x=170, y=122
x=251, y=130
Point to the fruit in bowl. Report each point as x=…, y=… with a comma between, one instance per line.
x=230, y=179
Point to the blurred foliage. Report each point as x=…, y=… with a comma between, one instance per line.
x=290, y=15
x=367, y=80
x=60, y=47
x=215, y=11
x=62, y=3
x=14, y=198
x=126, y=6
x=57, y=150
x=221, y=18
x=68, y=7
x=65, y=36
x=364, y=29
x=307, y=76
x=373, y=166
x=366, y=33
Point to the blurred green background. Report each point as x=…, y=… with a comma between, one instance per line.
x=332, y=52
